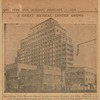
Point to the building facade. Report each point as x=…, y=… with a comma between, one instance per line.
x=80, y=79
x=47, y=44
x=44, y=63
x=18, y=76
x=30, y=78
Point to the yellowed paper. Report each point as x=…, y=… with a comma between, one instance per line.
x=50, y=50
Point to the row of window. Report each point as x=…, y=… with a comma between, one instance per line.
x=56, y=62
x=51, y=75
x=40, y=36
x=43, y=41
x=81, y=79
x=81, y=73
x=44, y=34
x=47, y=59
x=46, y=49
x=47, y=55
x=57, y=44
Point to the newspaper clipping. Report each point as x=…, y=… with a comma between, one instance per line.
x=49, y=50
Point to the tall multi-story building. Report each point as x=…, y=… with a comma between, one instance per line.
x=44, y=63
x=47, y=44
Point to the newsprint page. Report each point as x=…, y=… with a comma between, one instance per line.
x=49, y=50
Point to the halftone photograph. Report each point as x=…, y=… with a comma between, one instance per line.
x=50, y=57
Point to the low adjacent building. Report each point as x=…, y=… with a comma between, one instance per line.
x=30, y=78
x=18, y=75
x=80, y=79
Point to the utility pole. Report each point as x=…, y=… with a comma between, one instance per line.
x=78, y=46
